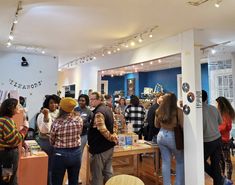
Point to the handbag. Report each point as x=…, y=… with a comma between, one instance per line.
x=179, y=135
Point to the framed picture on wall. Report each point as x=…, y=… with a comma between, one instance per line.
x=130, y=86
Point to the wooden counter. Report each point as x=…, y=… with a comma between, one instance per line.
x=33, y=169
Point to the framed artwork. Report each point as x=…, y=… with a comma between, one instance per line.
x=130, y=86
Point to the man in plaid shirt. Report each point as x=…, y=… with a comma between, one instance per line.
x=134, y=114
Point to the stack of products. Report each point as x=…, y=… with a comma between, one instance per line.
x=127, y=139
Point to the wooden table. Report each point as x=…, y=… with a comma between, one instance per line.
x=133, y=151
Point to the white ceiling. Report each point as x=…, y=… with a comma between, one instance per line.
x=70, y=28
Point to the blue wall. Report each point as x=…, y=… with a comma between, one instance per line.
x=114, y=83
x=130, y=76
x=167, y=78
x=205, y=77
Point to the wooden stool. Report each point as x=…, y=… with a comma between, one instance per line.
x=124, y=180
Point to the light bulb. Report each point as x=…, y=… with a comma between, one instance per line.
x=118, y=49
x=140, y=40
x=132, y=43
x=15, y=21
x=151, y=63
x=8, y=44
x=150, y=35
x=102, y=54
x=217, y=5
x=109, y=52
x=43, y=52
x=142, y=64
x=102, y=72
x=112, y=75
x=11, y=37
x=59, y=69
x=159, y=61
x=94, y=58
x=213, y=51
x=126, y=46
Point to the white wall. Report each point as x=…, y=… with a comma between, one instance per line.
x=85, y=73
x=41, y=68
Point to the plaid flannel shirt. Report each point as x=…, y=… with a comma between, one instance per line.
x=135, y=115
x=65, y=132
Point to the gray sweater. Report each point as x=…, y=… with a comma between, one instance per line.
x=211, y=120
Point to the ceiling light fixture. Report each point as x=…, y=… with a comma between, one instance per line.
x=116, y=46
x=132, y=43
x=213, y=51
x=11, y=35
x=200, y=2
x=217, y=3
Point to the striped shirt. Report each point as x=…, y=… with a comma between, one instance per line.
x=65, y=132
x=135, y=115
x=9, y=135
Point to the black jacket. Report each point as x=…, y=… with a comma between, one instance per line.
x=96, y=141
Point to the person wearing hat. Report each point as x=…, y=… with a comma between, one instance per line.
x=66, y=140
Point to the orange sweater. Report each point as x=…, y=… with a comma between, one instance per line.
x=225, y=127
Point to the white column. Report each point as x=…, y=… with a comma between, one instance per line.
x=193, y=127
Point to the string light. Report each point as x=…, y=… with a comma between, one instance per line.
x=125, y=43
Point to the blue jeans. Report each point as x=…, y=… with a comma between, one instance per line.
x=166, y=142
x=66, y=159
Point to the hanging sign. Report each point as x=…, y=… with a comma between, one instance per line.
x=25, y=86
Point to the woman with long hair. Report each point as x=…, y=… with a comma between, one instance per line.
x=10, y=138
x=168, y=115
x=227, y=112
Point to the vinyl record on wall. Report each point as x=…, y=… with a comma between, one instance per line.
x=185, y=87
x=186, y=109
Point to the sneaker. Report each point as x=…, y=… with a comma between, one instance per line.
x=227, y=181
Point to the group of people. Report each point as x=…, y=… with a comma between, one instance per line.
x=65, y=128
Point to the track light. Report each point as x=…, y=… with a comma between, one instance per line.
x=132, y=43
x=8, y=44
x=217, y=3
x=11, y=37
x=213, y=51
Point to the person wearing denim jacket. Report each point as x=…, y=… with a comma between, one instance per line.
x=167, y=116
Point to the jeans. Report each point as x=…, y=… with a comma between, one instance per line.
x=46, y=147
x=166, y=142
x=213, y=151
x=9, y=159
x=66, y=159
x=101, y=167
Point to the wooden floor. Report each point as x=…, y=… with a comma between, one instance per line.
x=146, y=169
